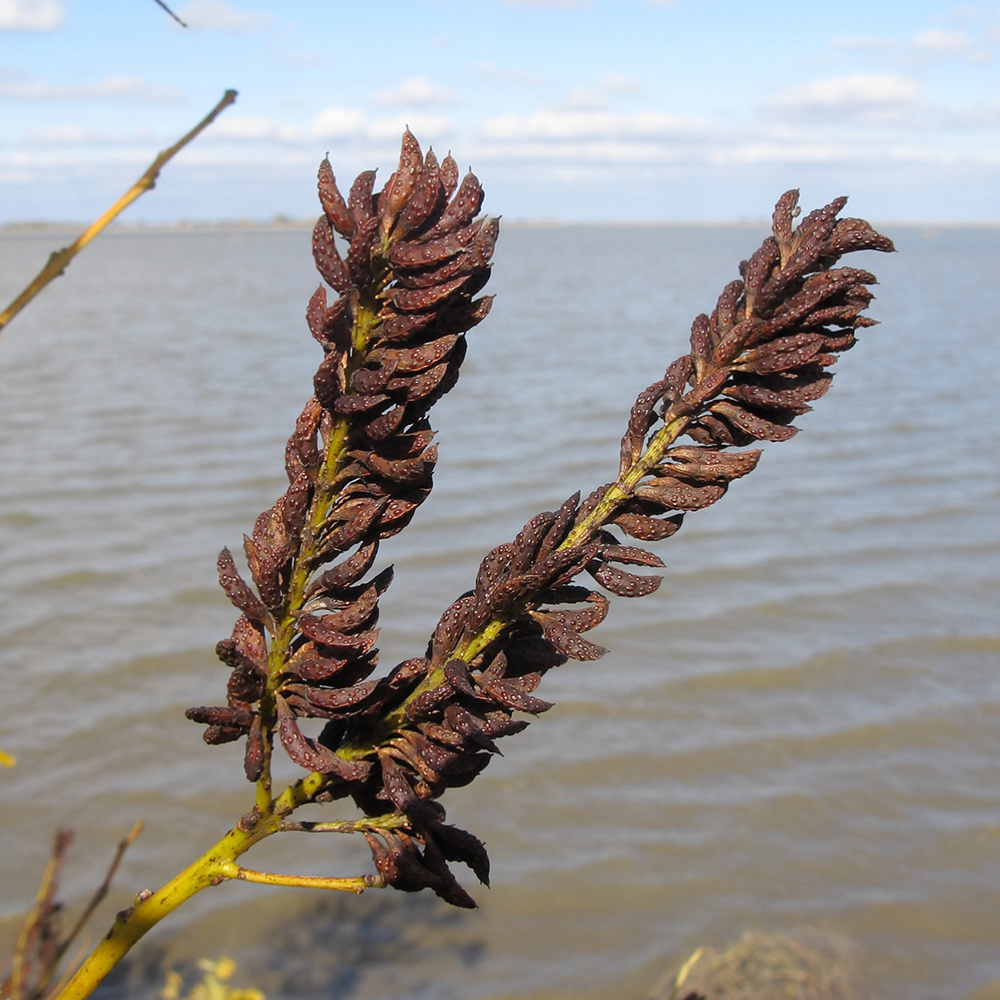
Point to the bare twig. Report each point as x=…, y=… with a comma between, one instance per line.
x=59, y=260
x=171, y=13
x=102, y=890
x=40, y=946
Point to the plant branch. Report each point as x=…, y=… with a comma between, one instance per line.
x=59, y=261
x=170, y=12
x=356, y=884
x=102, y=889
x=390, y=821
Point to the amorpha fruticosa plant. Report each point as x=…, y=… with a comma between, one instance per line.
x=408, y=264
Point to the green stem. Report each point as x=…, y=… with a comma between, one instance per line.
x=132, y=924
x=615, y=495
x=356, y=884
x=216, y=865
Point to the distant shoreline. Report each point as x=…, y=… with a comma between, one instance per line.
x=28, y=228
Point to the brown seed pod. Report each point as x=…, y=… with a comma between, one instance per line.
x=704, y=465
x=423, y=253
x=401, y=186
x=347, y=572
x=332, y=699
x=644, y=527
x=421, y=299
x=317, y=668
x=625, y=584
x=569, y=641
x=333, y=202
x=359, y=254
x=449, y=175
x=328, y=261
x=239, y=592
x=461, y=210
x=311, y=755
x=459, y=845
x=317, y=630
x=427, y=195
x=223, y=715
x=511, y=694
x=359, y=200
x=746, y=420
x=672, y=494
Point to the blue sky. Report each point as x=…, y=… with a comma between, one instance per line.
x=570, y=110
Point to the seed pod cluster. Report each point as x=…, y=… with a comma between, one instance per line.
x=755, y=364
x=359, y=462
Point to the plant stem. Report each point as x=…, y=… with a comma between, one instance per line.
x=132, y=924
x=356, y=884
x=59, y=260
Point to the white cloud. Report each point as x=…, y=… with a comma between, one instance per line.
x=342, y=124
x=223, y=16
x=338, y=123
x=597, y=97
x=859, y=97
x=861, y=42
x=31, y=15
x=563, y=125
x=416, y=91
x=936, y=40
x=246, y=129
x=595, y=152
x=304, y=58
x=932, y=43
x=495, y=72
x=132, y=88
x=76, y=135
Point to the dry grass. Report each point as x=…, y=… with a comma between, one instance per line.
x=806, y=965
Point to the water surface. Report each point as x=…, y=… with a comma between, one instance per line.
x=799, y=728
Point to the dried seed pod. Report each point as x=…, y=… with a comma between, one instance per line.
x=332, y=699
x=426, y=253
x=421, y=299
x=672, y=494
x=222, y=715
x=511, y=694
x=403, y=328
x=449, y=175
x=450, y=628
x=239, y=592
x=625, y=584
x=317, y=630
x=400, y=187
x=359, y=254
x=349, y=571
x=461, y=210
x=746, y=420
x=646, y=527
x=328, y=261
x=385, y=424
x=427, y=195
x=459, y=845
x=359, y=200
x=311, y=755
x=569, y=642
x=703, y=465
x=333, y=202
x=642, y=417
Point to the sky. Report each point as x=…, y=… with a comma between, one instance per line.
x=568, y=110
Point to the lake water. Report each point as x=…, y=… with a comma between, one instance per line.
x=799, y=729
